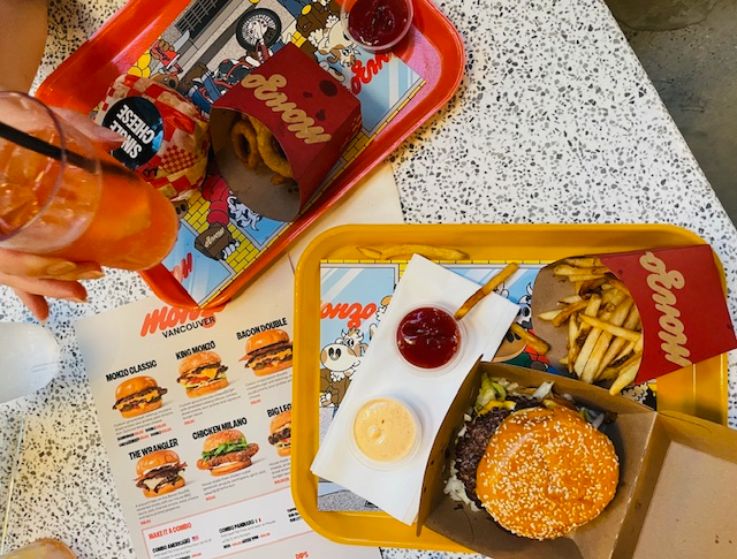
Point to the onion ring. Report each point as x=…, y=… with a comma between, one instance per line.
x=245, y=143
x=270, y=150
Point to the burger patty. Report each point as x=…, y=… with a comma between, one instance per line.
x=198, y=370
x=134, y=400
x=281, y=435
x=166, y=474
x=237, y=456
x=470, y=447
x=269, y=349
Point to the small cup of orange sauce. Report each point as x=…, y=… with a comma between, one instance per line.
x=386, y=432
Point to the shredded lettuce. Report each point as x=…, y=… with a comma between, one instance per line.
x=225, y=449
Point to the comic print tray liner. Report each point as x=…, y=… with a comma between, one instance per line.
x=158, y=39
x=325, y=268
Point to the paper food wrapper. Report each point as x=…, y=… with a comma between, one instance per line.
x=384, y=373
x=680, y=298
x=310, y=115
x=165, y=137
x=673, y=473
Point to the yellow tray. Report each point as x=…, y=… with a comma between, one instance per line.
x=699, y=390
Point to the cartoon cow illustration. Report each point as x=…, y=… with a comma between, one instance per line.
x=353, y=338
x=339, y=363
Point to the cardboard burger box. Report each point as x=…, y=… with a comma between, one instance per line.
x=674, y=497
x=308, y=112
x=680, y=297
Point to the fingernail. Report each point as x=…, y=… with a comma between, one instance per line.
x=91, y=275
x=61, y=268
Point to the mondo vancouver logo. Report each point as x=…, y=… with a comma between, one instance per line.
x=170, y=321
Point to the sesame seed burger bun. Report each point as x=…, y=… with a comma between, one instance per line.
x=133, y=386
x=164, y=489
x=546, y=472
x=198, y=360
x=284, y=418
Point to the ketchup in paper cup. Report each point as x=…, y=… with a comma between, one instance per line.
x=377, y=25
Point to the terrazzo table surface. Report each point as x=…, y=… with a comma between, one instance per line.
x=555, y=122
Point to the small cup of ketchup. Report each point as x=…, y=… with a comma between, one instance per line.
x=377, y=25
x=428, y=337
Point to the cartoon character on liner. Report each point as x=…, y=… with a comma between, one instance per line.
x=380, y=312
x=216, y=241
x=167, y=55
x=339, y=363
x=353, y=338
x=513, y=349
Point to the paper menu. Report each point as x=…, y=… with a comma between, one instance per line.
x=383, y=373
x=244, y=512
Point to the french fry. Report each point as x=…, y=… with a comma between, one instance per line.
x=538, y=344
x=564, y=360
x=565, y=270
x=592, y=309
x=372, y=253
x=485, y=289
x=593, y=365
x=586, y=277
x=617, y=284
x=626, y=350
x=591, y=286
x=627, y=374
x=631, y=322
x=571, y=299
x=573, y=347
x=625, y=333
x=588, y=347
x=563, y=315
x=583, y=262
x=406, y=251
x=549, y=315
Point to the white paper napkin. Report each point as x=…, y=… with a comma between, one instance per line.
x=383, y=372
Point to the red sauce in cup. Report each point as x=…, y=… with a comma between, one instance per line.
x=428, y=337
x=379, y=23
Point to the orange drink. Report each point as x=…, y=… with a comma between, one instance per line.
x=79, y=204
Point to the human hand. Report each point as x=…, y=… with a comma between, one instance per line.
x=34, y=277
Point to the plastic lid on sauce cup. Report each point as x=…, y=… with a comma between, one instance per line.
x=377, y=25
x=428, y=368
x=380, y=423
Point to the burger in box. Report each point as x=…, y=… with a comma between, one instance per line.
x=631, y=317
x=279, y=131
x=532, y=465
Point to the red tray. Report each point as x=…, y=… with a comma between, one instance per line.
x=434, y=50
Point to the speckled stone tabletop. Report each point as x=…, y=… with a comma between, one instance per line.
x=555, y=122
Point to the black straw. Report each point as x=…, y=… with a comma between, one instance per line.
x=43, y=147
